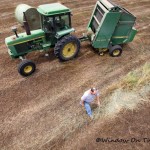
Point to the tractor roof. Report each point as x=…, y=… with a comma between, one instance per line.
x=52, y=9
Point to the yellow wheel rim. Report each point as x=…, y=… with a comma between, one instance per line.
x=28, y=69
x=69, y=50
x=116, y=52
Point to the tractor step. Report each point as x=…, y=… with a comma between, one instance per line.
x=46, y=46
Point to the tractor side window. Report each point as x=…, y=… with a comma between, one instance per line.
x=66, y=19
x=60, y=23
x=48, y=24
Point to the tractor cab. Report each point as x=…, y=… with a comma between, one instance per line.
x=53, y=24
x=55, y=18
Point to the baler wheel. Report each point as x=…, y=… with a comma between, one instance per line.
x=67, y=48
x=115, y=51
x=26, y=67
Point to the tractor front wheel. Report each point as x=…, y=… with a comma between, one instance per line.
x=115, y=51
x=26, y=68
x=67, y=48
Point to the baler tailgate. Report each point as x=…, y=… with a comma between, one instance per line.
x=97, y=16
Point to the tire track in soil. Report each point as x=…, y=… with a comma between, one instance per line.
x=67, y=69
x=53, y=107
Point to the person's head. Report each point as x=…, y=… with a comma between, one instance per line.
x=93, y=91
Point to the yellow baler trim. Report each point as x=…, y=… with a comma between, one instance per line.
x=120, y=37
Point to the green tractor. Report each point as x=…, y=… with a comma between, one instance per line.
x=54, y=33
x=110, y=26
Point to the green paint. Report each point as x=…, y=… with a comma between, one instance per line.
x=64, y=32
x=106, y=30
x=111, y=25
x=23, y=37
x=52, y=9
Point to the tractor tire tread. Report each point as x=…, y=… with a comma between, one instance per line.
x=61, y=43
x=23, y=63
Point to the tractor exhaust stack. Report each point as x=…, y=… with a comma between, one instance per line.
x=14, y=29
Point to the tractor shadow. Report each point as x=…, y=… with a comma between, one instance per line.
x=42, y=57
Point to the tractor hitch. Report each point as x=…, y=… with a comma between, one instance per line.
x=84, y=38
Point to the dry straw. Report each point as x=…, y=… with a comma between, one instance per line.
x=128, y=94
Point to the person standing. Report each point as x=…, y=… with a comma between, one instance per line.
x=88, y=97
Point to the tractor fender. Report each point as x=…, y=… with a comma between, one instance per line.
x=63, y=33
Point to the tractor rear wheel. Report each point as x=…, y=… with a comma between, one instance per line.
x=115, y=51
x=67, y=48
x=26, y=67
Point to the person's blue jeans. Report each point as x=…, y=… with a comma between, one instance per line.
x=88, y=108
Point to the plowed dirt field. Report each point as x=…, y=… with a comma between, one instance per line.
x=43, y=111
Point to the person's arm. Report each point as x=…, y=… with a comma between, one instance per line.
x=98, y=101
x=97, y=98
x=82, y=102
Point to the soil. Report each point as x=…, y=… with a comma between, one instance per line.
x=43, y=112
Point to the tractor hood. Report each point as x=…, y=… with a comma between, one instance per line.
x=23, y=37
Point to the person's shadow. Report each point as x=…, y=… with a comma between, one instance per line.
x=94, y=106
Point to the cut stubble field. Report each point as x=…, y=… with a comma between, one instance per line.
x=43, y=111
